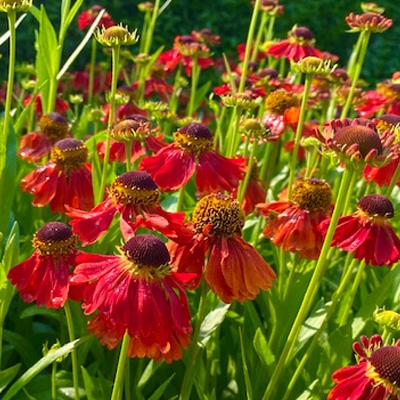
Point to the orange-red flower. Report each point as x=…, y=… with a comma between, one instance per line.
x=234, y=270
x=173, y=166
x=61, y=105
x=35, y=145
x=66, y=180
x=298, y=46
x=136, y=292
x=44, y=276
x=376, y=375
x=135, y=196
x=368, y=233
x=293, y=225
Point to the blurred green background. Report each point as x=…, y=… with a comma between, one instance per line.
x=230, y=19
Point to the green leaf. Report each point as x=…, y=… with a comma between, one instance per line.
x=81, y=45
x=91, y=388
x=29, y=396
x=45, y=312
x=75, y=8
x=149, y=371
x=5, y=36
x=247, y=380
x=262, y=349
x=44, y=362
x=23, y=345
x=48, y=42
x=10, y=258
x=8, y=375
x=160, y=391
x=212, y=321
x=201, y=94
x=8, y=147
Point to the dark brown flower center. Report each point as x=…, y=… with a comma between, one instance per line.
x=366, y=139
x=54, y=126
x=278, y=102
x=136, y=188
x=54, y=239
x=302, y=32
x=312, y=195
x=218, y=214
x=270, y=72
x=386, y=362
x=194, y=138
x=69, y=154
x=149, y=256
x=376, y=205
x=390, y=119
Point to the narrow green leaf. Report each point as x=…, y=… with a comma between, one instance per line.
x=164, y=7
x=247, y=381
x=35, y=12
x=149, y=371
x=45, y=312
x=8, y=375
x=44, y=362
x=22, y=345
x=5, y=36
x=81, y=45
x=160, y=391
x=201, y=94
x=212, y=321
x=10, y=258
x=262, y=349
x=92, y=390
x=28, y=395
x=75, y=8
x=48, y=42
x=65, y=7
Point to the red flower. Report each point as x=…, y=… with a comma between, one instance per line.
x=35, y=145
x=86, y=18
x=185, y=48
x=101, y=81
x=294, y=224
x=137, y=293
x=296, y=47
x=61, y=105
x=376, y=375
x=65, y=180
x=44, y=276
x=235, y=270
x=135, y=196
x=123, y=111
x=382, y=176
x=173, y=166
x=367, y=232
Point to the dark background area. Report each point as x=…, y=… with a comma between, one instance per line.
x=230, y=19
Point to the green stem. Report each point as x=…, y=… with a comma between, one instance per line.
x=128, y=153
x=353, y=291
x=53, y=381
x=354, y=55
x=188, y=378
x=218, y=138
x=249, y=41
x=335, y=300
x=307, y=86
x=75, y=365
x=270, y=30
x=357, y=72
x=115, y=68
x=146, y=23
x=11, y=16
x=264, y=18
x=152, y=26
x=243, y=187
x=181, y=197
x=313, y=286
x=394, y=180
x=91, y=70
x=195, y=80
x=233, y=137
x=118, y=386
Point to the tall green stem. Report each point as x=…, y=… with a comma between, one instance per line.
x=118, y=386
x=354, y=55
x=11, y=16
x=357, y=73
x=394, y=180
x=150, y=30
x=115, y=68
x=264, y=19
x=195, y=80
x=313, y=286
x=243, y=187
x=75, y=365
x=335, y=300
x=250, y=36
x=187, y=383
x=299, y=129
